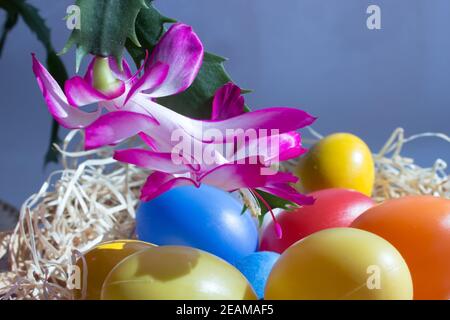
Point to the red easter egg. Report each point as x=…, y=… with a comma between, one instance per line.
x=333, y=208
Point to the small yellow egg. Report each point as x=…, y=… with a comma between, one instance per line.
x=340, y=264
x=340, y=160
x=101, y=260
x=175, y=273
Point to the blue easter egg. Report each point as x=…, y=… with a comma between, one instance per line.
x=256, y=268
x=206, y=218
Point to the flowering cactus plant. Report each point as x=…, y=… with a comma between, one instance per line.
x=224, y=144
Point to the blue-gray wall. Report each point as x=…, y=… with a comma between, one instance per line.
x=314, y=54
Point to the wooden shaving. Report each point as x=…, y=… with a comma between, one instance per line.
x=397, y=176
x=5, y=237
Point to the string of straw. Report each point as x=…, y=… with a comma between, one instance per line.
x=398, y=176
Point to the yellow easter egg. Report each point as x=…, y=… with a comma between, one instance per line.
x=175, y=273
x=101, y=260
x=341, y=160
x=340, y=264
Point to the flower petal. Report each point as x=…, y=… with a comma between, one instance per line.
x=279, y=120
x=152, y=78
x=231, y=177
x=181, y=49
x=228, y=102
x=194, y=132
x=159, y=182
x=114, y=127
x=272, y=149
x=170, y=122
x=89, y=75
x=157, y=161
x=123, y=74
x=289, y=193
x=276, y=119
x=80, y=93
x=57, y=104
x=149, y=141
x=290, y=146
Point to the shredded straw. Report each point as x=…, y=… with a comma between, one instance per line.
x=93, y=199
x=75, y=209
x=397, y=176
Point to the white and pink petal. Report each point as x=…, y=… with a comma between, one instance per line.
x=159, y=182
x=156, y=161
x=79, y=92
x=287, y=192
x=228, y=102
x=152, y=79
x=231, y=177
x=114, y=127
x=270, y=121
x=180, y=49
x=68, y=116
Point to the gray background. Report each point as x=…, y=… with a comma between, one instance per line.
x=313, y=54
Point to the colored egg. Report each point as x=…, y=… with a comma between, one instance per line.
x=256, y=268
x=205, y=218
x=340, y=160
x=175, y=273
x=419, y=227
x=332, y=208
x=340, y=264
x=101, y=260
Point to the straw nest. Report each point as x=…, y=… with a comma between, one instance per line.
x=93, y=199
